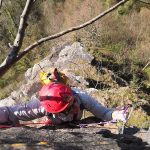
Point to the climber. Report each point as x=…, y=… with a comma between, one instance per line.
x=59, y=103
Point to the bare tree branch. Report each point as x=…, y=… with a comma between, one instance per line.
x=1, y=2
x=14, y=49
x=147, y=3
x=18, y=41
x=148, y=63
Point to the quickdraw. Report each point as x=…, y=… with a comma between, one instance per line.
x=121, y=129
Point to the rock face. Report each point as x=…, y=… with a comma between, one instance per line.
x=75, y=62
x=62, y=138
x=73, y=54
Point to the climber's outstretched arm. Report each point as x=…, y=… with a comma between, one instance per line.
x=93, y=106
x=26, y=112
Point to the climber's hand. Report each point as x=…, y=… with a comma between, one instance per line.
x=119, y=115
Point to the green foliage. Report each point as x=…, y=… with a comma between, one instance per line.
x=132, y=5
x=147, y=72
x=129, y=6
x=116, y=47
x=4, y=95
x=139, y=119
x=9, y=21
x=5, y=80
x=126, y=7
x=112, y=103
x=22, y=65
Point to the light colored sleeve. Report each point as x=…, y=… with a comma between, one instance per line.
x=4, y=115
x=90, y=104
x=26, y=112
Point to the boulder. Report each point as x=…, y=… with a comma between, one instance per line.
x=73, y=55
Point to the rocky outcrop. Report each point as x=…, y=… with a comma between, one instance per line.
x=62, y=58
x=73, y=55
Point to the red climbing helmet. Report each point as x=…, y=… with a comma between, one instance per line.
x=56, y=97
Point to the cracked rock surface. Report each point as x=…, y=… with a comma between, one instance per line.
x=52, y=138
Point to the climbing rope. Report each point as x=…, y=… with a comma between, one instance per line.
x=120, y=128
x=24, y=124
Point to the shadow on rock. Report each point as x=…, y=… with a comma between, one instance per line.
x=97, y=84
x=125, y=141
x=146, y=108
